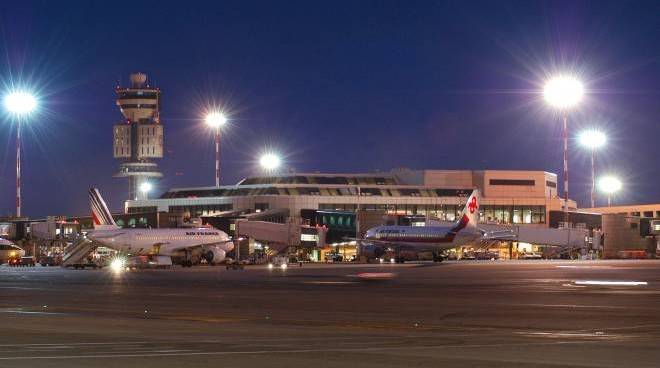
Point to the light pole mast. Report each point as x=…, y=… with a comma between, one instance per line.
x=564, y=92
x=217, y=156
x=593, y=179
x=20, y=104
x=18, y=168
x=565, y=169
x=592, y=139
x=215, y=120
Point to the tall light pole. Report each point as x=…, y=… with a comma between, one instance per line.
x=563, y=93
x=216, y=119
x=609, y=185
x=592, y=140
x=20, y=104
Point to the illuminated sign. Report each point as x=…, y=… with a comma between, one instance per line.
x=200, y=233
x=655, y=227
x=309, y=237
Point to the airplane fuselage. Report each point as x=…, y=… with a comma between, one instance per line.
x=166, y=242
x=422, y=237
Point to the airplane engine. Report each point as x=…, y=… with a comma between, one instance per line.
x=214, y=255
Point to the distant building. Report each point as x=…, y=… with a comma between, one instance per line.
x=638, y=210
x=139, y=138
x=630, y=231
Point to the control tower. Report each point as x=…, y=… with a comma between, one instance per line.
x=139, y=138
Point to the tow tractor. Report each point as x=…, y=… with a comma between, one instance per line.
x=234, y=265
x=85, y=263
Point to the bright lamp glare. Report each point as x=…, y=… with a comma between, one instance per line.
x=270, y=161
x=563, y=92
x=146, y=187
x=117, y=264
x=215, y=119
x=609, y=184
x=592, y=139
x=20, y=102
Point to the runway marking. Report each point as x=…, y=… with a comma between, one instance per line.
x=572, y=306
x=18, y=311
x=297, y=351
x=79, y=343
x=56, y=347
x=600, y=335
x=611, y=283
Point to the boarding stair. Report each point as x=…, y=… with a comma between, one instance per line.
x=76, y=252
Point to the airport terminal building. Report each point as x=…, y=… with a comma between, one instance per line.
x=508, y=197
x=346, y=205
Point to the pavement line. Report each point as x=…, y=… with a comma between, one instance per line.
x=79, y=343
x=16, y=311
x=611, y=283
x=571, y=306
x=292, y=351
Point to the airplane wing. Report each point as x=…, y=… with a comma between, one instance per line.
x=499, y=235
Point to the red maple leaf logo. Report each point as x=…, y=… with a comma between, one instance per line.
x=472, y=206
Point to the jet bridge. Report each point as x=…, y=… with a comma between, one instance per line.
x=573, y=238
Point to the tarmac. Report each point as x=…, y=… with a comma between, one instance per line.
x=452, y=314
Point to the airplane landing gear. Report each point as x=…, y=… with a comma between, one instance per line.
x=187, y=261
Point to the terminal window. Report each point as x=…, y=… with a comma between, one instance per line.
x=512, y=182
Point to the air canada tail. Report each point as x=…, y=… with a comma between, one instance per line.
x=470, y=215
x=100, y=213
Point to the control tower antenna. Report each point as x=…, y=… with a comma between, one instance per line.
x=139, y=138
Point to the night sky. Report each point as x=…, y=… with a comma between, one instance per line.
x=333, y=86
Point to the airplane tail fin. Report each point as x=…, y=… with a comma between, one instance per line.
x=471, y=209
x=100, y=213
x=469, y=217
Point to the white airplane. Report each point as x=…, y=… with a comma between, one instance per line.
x=9, y=250
x=380, y=239
x=185, y=246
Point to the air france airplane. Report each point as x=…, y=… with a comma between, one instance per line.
x=186, y=245
x=379, y=240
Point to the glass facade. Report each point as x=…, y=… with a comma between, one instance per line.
x=445, y=212
x=142, y=209
x=512, y=214
x=450, y=212
x=364, y=191
x=326, y=180
x=201, y=210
